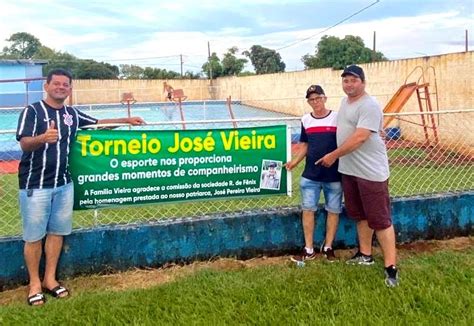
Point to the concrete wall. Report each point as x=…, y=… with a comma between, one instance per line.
x=110, y=91
x=285, y=91
x=453, y=72
x=244, y=235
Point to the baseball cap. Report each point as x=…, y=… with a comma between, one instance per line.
x=354, y=71
x=314, y=89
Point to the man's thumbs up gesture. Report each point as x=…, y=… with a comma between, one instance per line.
x=51, y=134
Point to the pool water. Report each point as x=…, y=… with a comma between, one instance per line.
x=191, y=111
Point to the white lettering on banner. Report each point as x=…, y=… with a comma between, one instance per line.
x=234, y=169
x=122, y=190
x=104, y=177
x=204, y=160
x=146, y=198
x=179, y=186
x=146, y=189
x=215, y=184
x=109, y=201
x=146, y=175
x=198, y=194
x=252, y=190
x=101, y=192
x=139, y=163
x=235, y=191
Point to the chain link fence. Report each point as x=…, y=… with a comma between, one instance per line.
x=428, y=154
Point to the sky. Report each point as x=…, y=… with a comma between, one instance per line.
x=159, y=33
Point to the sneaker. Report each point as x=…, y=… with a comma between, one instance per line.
x=391, y=276
x=304, y=256
x=329, y=254
x=360, y=259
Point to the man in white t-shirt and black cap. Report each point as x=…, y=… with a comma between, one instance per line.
x=363, y=163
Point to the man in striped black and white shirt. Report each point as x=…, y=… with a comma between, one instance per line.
x=46, y=131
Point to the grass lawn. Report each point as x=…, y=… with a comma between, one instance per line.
x=436, y=289
x=416, y=180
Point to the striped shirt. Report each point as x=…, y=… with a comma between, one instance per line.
x=48, y=166
x=320, y=134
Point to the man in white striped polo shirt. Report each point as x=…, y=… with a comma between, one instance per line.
x=46, y=131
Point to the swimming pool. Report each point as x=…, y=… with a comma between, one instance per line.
x=164, y=113
x=161, y=116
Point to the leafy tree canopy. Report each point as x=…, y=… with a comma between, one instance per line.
x=156, y=73
x=265, y=61
x=231, y=65
x=191, y=75
x=131, y=71
x=24, y=46
x=333, y=52
x=213, y=67
x=27, y=46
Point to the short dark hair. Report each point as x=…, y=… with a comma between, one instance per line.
x=58, y=72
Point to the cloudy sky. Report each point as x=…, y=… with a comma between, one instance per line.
x=155, y=33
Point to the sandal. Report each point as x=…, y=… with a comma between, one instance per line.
x=35, y=299
x=57, y=292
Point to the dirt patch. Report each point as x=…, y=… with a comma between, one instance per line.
x=457, y=244
x=145, y=278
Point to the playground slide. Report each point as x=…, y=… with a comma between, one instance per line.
x=398, y=100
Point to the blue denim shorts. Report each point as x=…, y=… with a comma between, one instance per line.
x=46, y=211
x=311, y=191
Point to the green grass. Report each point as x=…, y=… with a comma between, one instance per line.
x=436, y=289
x=412, y=153
x=412, y=180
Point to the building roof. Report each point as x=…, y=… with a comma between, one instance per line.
x=22, y=62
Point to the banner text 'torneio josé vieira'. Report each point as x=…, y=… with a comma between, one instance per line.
x=119, y=167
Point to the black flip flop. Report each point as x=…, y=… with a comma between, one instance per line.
x=57, y=291
x=38, y=297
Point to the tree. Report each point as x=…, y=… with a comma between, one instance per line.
x=90, y=69
x=191, y=75
x=333, y=52
x=24, y=46
x=246, y=73
x=213, y=67
x=231, y=66
x=265, y=61
x=55, y=60
x=27, y=46
x=131, y=72
x=137, y=72
x=44, y=53
x=157, y=73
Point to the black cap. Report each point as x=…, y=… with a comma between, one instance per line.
x=314, y=89
x=355, y=71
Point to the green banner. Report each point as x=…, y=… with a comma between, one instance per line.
x=121, y=167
